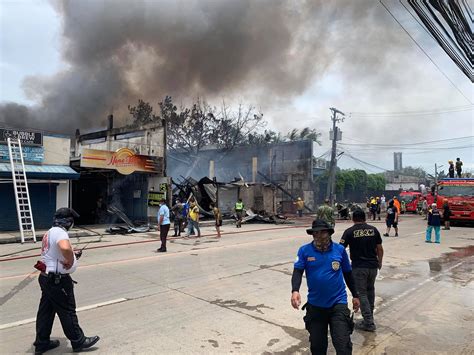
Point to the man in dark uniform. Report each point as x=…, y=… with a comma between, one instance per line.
x=365, y=245
x=57, y=289
x=327, y=266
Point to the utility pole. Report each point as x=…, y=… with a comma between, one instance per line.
x=330, y=192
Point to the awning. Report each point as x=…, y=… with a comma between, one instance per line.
x=47, y=172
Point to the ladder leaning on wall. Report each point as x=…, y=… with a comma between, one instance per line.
x=20, y=186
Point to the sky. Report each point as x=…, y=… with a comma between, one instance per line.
x=292, y=62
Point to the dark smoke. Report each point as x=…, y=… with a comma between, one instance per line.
x=119, y=51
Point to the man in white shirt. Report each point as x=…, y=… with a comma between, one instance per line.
x=57, y=289
x=163, y=224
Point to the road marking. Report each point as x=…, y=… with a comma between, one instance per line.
x=418, y=285
x=179, y=253
x=21, y=257
x=80, y=309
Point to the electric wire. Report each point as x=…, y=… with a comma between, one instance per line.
x=413, y=113
x=408, y=144
x=426, y=54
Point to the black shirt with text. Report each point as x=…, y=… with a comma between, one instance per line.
x=362, y=239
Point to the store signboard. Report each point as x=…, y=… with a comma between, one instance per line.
x=26, y=137
x=154, y=197
x=124, y=160
x=30, y=154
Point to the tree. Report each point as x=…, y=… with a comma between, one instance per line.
x=191, y=129
x=142, y=113
x=305, y=133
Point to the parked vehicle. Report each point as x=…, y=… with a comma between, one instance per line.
x=459, y=193
x=409, y=201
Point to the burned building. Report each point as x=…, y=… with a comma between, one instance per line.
x=288, y=165
x=120, y=167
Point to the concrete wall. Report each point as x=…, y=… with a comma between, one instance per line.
x=57, y=150
x=146, y=142
x=62, y=194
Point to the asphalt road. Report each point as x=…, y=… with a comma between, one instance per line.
x=232, y=295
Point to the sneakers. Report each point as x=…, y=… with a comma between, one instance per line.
x=365, y=327
x=396, y=234
x=52, y=345
x=427, y=241
x=88, y=342
x=161, y=250
x=385, y=235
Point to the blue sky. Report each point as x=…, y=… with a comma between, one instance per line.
x=31, y=45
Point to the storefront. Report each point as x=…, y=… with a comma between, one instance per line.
x=48, y=173
x=120, y=168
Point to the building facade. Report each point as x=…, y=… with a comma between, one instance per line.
x=119, y=167
x=46, y=157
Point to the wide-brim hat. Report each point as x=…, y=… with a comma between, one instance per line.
x=320, y=225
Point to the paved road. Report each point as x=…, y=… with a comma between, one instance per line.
x=232, y=295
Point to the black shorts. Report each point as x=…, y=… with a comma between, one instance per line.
x=219, y=223
x=391, y=224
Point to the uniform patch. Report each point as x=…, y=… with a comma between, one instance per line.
x=336, y=265
x=311, y=258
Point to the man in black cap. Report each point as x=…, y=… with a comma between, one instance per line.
x=57, y=290
x=365, y=245
x=327, y=266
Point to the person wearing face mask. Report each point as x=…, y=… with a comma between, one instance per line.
x=57, y=289
x=328, y=270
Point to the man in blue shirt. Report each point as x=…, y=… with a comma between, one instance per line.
x=327, y=266
x=163, y=224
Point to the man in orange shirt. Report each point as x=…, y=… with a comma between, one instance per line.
x=396, y=203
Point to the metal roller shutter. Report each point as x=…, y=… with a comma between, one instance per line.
x=43, y=203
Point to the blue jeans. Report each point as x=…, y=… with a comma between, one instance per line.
x=437, y=233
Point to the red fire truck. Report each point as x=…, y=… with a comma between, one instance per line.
x=409, y=200
x=459, y=193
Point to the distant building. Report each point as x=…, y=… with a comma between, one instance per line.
x=396, y=182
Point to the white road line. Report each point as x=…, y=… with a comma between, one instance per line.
x=80, y=309
x=418, y=285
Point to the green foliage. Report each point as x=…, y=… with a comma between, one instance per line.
x=354, y=185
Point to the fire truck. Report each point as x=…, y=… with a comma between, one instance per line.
x=459, y=193
x=409, y=201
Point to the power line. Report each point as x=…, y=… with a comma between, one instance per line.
x=413, y=113
x=413, y=148
x=364, y=162
x=408, y=144
x=426, y=54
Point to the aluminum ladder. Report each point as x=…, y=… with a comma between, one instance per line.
x=20, y=186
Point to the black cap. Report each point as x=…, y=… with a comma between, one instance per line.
x=65, y=212
x=358, y=215
x=320, y=225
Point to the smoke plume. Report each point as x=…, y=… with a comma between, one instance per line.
x=119, y=51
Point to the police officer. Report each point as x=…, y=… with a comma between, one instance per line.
x=327, y=266
x=57, y=289
x=365, y=245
